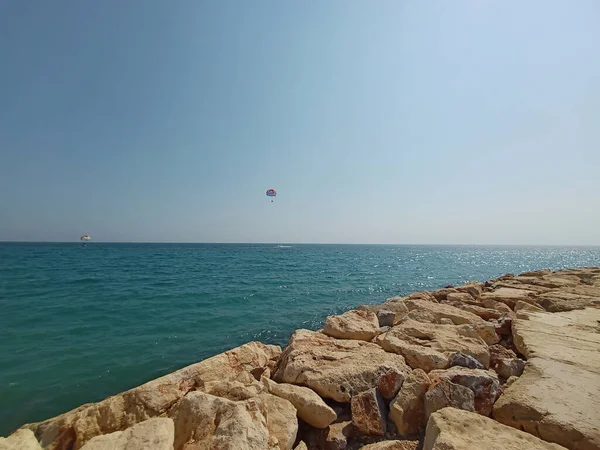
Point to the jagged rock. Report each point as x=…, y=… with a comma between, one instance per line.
x=522, y=306
x=73, y=429
x=263, y=422
x=243, y=388
x=407, y=410
x=483, y=383
x=156, y=434
x=461, y=298
x=474, y=288
x=392, y=445
x=445, y=393
x=359, y=325
x=335, y=368
x=442, y=294
x=386, y=318
x=311, y=408
x=510, y=296
x=22, y=439
x=445, y=321
x=334, y=437
x=484, y=313
x=498, y=306
x=535, y=273
x=504, y=326
x=369, y=413
x=424, y=295
x=510, y=381
x=567, y=300
x=556, y=397
x=395, y=305
x=505, y=362
x=439, y=310
x=485, y=330
x=453, y=429
x=463, y=360
x=429, y=346
x=301, y=446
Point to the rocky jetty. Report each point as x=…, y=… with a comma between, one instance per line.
x=511, y=363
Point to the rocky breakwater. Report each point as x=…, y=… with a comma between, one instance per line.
x=507, y=364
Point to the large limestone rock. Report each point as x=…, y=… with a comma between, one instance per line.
x=311, y=408
x=369, y=413
x=556, y=397
x=205, y=421
x=453, y=429
x=445, y=393
x=429, y=346
x=336, y=368
x=156, y=434
x=22, y=439
x=74, y=428
x=567, y=300
x=483, y=383
x=474, y=288
x=359, y=325
x=510, y=296
x=407, y=410
x=439, y=310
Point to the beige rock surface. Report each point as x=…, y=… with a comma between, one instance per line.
x=510, y=296
x=337, y=368
x=522, y=306
x=453, y=429
x=556, y=397
x=445, y=393
x=301, y=446
x=407, y=410
x=117, y=413
x=429, y=346
x=205, y=421
x=155, y=434
x=311, y=408
x=359, y=325
x=440, y=310
x=22, y=439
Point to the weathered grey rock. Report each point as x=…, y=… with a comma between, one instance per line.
x=259, y=423
x=311, y=408
x=445, y=321
x=453, y=429
x=74, y=428
x=359, y=325
x=483, y=383
x=369, y=413
x=22, y=439
x=407, y=410
x=336, y=368
x=463, y=360
x=156, y=434
x=445, y=393
x=386, y=318
x=429, y=346
x=556, y=397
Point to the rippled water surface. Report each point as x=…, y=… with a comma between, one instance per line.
x=79, y=324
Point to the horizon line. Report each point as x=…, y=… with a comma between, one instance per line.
x=292, y=243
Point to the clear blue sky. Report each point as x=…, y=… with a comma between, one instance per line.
x=473, y=121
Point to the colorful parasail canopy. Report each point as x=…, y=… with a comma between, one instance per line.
x=271, y=193
x=85, y=237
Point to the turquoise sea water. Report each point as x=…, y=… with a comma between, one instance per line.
x=78, y=324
